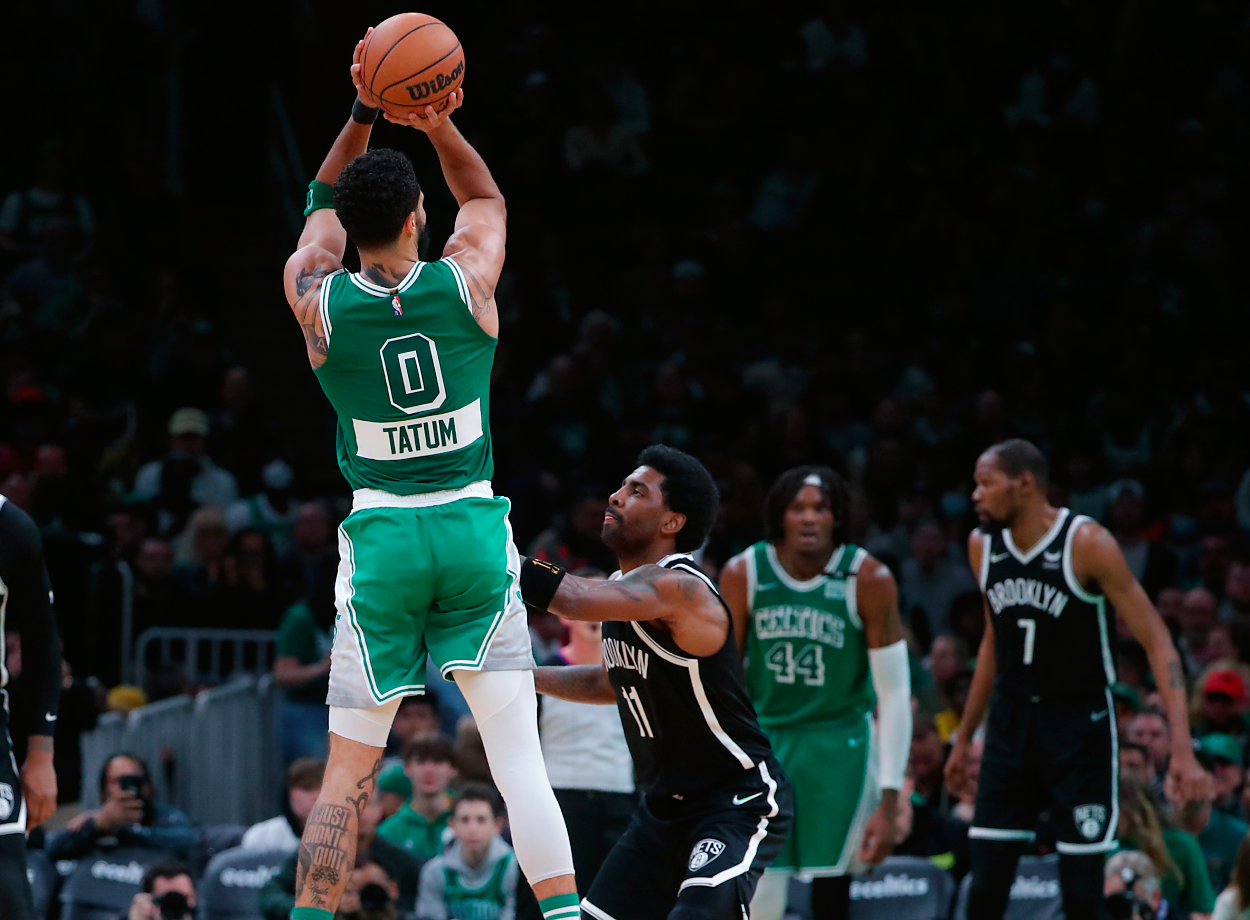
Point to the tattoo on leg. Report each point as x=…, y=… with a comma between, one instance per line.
x=325, y=853
x=366, y=784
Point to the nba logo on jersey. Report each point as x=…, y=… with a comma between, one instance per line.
x=1089, y=820
x=704, y=852
x=396, y=308
x=7, y=799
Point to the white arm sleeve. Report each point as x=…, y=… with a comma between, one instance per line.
x=891, y=679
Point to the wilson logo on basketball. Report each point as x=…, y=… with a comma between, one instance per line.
x=432, y=87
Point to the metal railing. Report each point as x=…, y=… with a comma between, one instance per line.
x=215, y=757
x=204, y=655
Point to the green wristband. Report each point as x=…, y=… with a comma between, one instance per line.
x=320, y=196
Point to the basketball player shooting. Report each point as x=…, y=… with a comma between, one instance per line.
x=717, y=806
x=403, y=350
x=1047, y=576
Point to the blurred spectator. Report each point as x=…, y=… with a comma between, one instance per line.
x=1149, y=729
x=588, y=761
x=313, y=557
x=576, y=544
x=1223, y=709
x=202, y=551
x=25, y=214
x=1236, y=604
x=1198, y=615
x=1227, y=772
x=302, y=667
x=129, y=816
x=158, y=597
x=186, y=476
x=597, y=139
x=476, y=876
x=1152, y=564
x=1234, y=902
x=417, y=717
x=251, y=592
x=1218, y=833
x=420, y=826
x=277, y=897
x=927, y=758
x=1136, y=765
x=1175, y=854
x=1127, y=705
x=1130, y=866
x=239, y=439
x=371, y=894
x=394, y=789
x=272, y=510
x=931, y=580
x=168, y=894
x=283, y=832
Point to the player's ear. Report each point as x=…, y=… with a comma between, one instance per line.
x=674, y=521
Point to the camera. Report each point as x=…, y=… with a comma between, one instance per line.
x=1126, y=905
x=374, y=898
x=173, y=906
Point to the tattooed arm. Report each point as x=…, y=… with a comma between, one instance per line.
x=1098, y=561
x=477, y=245
x=585, y=683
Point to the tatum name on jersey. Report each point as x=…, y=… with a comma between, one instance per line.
x=409, y=380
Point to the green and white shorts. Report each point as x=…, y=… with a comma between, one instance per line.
x=433, y=574
x=833, y=770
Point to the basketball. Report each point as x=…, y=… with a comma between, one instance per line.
x=410, y=61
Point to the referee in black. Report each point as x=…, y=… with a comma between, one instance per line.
x=1048, y=576
x=28, y=796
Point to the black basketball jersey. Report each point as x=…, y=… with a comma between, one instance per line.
x=689, y=722
x=1050, y=634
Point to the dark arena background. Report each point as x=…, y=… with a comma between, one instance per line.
x=876, y=237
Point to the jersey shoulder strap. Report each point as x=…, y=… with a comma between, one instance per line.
x=1069, y=569
x=846, y=560
x=323, y=304
x=751, y=557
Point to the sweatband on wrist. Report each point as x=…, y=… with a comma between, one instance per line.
x=320, y=196
x=539, y=582
x=891, y=679
x=363, y=114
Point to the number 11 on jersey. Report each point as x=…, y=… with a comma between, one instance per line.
x=634, y=702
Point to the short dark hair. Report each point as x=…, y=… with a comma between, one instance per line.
x=480, y=792
x=374, y=195
x=108, y=761
x=306, y=773
x=1017, y=456
x=788, y=484
x=689, y=489
x=167, y=868
x=430, y=748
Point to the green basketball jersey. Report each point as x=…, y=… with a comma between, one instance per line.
x=484, y=903
x=807, y=657
x=408, y=372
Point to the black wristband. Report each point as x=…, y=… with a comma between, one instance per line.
x=539, y=582
x=363, y=114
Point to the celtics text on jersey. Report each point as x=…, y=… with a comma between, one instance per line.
x=407, y=370
x=807, y=655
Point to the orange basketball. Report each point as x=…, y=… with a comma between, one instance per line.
x=410, y=61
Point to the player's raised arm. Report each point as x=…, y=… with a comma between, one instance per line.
x=1096, y=558
x=477, y=245
x=982, y=683
x=649, y=592
x=323, y=241
x=734, y=589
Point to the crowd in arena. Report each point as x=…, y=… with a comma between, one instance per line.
x=879, y=238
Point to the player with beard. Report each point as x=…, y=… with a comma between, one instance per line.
x=403, y=350
x=817, y=619
x=1044, y=669
x=716, y=806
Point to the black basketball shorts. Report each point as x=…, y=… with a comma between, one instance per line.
x=1062, y=754
x=707, y=852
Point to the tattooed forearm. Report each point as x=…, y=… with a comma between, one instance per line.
x=577, y=683
x=326, y=853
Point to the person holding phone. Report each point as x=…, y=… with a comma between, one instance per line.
x=168, y=894
x=128, y=814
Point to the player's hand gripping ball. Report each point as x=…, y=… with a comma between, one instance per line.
x=408, y=65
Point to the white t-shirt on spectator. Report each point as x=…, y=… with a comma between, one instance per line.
x=274, y=834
